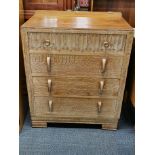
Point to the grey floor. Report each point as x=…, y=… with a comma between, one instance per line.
x=76, y=140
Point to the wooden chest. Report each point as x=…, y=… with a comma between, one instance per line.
x=76, y=65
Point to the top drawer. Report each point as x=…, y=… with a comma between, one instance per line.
x=76, y=42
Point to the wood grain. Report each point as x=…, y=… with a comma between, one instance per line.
x=37, y=124
x=75, y=86
x=75, y=107
x=76, y=66
x=73, y=65
x=107, y=124
x=127, y=8
x=32, y=5
x=78, y=20
x=77, y=42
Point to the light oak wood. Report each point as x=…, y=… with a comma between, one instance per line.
x=73, y=107
x=76, y=119
x=105, y=125
x=76, y=65
x=73, y=65
x=37, y=124
x=76, y=86
x=77, y=42
x=110, y=125
x=78, y=20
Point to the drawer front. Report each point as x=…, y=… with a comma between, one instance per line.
x=76, y=65
x=77, y=42
x=75, y=86
x=75, y=107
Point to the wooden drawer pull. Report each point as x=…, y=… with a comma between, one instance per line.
x=46, y=43
x=49, y=85
x=103, y=64
x=48, y=64
x=50, y=105
x=101, y=87
x=99, y=104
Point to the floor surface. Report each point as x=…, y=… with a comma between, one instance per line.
x=72, y=139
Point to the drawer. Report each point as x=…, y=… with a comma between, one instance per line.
x=76, y=41
x=76, y=65
x=75, y=107
x=75, y=86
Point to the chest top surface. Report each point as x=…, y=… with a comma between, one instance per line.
x=77, y=20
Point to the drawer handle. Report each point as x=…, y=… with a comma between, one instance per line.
x=49, y=85
x=50, y=105
x=106, y=44
x=46, y=43
x=48, y=64
x=101, y=87
x=103, y=64
x=99, y=106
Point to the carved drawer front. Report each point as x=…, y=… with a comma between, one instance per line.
x=76, y=42
x=77, y=65
x=75, y=106
x=75, y=86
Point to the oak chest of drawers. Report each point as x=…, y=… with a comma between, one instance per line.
x=76, y=65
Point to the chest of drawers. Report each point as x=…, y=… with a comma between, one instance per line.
x=76, y=65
